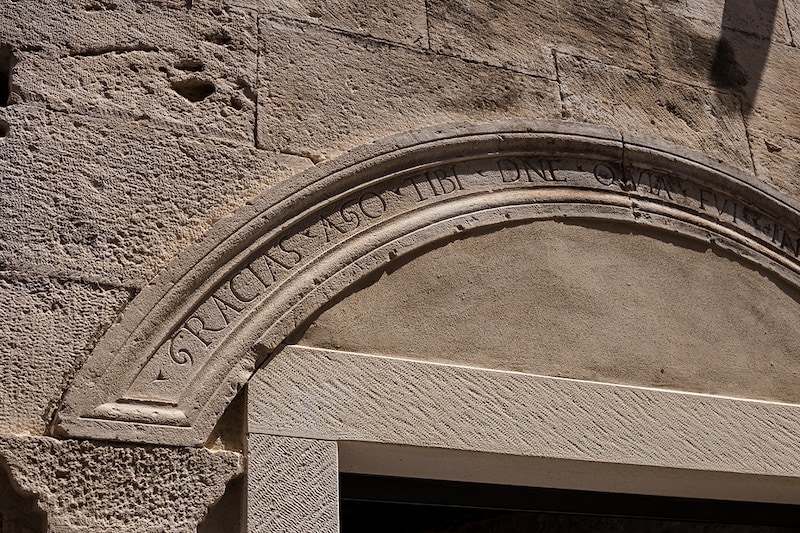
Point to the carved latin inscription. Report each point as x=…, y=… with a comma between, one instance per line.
x=189, y=346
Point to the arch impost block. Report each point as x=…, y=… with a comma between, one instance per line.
x=191, y=339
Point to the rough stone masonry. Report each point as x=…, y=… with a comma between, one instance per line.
x=129, y=128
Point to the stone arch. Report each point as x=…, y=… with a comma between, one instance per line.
x=193, y=337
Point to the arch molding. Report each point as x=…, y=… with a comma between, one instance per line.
x=193, y=337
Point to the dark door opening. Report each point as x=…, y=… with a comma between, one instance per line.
x=395, y=505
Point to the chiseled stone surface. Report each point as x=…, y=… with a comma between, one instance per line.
x=759, y=72
x=793, y=15
x=192, y=71
x=773, y=106
x=91, y=487
x=606, y=302
x=700, y=119
x=755, y=69
x=112, y=201
x=321, y=394
x=292, y=484
x=777, y=159
x=400, y=22
x=411, y=193
x=686, y=48
x=47, y=329
x=761, y=18
x=134, y=125
x=322, y=93
x=522, y=36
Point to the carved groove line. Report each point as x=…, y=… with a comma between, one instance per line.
x=188, y=342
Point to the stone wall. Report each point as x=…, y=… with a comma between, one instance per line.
x=129, y=127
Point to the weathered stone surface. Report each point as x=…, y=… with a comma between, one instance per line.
x=777, y=159
x=607, y=302
x=793, y=15
x=192, y=71
x=18, y=512
x=761, y=73
x=113, y=201
x=292, y=485
x=522, y=36
x=321, y=394
x=108, y=171
x=400, y=22
x=760, y=18
x=700, y=119
x=774, y=105
x=696, y=51
x=200, y=327
x=365, y=89
x=228, y=513
x=91, y=487
x=47, y=329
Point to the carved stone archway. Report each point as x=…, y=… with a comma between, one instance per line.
x=194, y=336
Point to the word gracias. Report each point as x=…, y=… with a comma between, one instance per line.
x=207, y=324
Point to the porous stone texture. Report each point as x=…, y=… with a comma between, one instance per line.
x=702, y=119
x=363, y=89
x=113, y=201
x=293, y=485
x=128, y=128
x=404, y=23
x=90, y=487
x=18, y=512
x=191, y=71
x=412, y=192
x=229, y=513
x=521, y=36
x=47, y=329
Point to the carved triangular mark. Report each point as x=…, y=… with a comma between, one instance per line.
x=161, y=376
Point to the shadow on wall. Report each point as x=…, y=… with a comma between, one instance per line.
x=727, y=73
x=18, y=513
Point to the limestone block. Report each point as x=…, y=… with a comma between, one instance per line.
x=292, y=485
x=91, y=487
x=112, y=201
x=761, y=73
x=311, y=393
x=521, y=36
x=759, y=18
x=776, y=103
x=777, y=159
x=193, y=71
x=686, y=48
x=197, y=331
x=323, y=93
x=700, y=119
x=793, y=15
x=602, y=302
x=399, y=22
x=47, y=329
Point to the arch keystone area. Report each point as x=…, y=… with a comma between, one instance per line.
x=194, y=336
